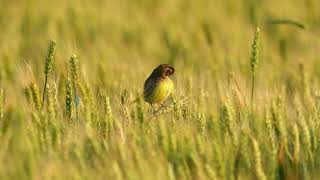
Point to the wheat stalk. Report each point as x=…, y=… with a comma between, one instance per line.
x=69, y=97
x=48, y=67
x=75, y=74
x=35, y=95
x=257, y=159
x=254, y=60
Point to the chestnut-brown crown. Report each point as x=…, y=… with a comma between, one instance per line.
x=163, y=70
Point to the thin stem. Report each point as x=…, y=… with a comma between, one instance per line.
x=252, y=89
x=75, y=101
x=44, y=91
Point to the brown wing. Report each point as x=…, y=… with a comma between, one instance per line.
x=149, y=86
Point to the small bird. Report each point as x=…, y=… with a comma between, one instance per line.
x=158, y=87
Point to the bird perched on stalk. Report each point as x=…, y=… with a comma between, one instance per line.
x=158, y=87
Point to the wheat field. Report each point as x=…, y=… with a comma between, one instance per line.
x=247, y=89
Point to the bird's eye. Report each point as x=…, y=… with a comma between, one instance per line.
x=170, y=71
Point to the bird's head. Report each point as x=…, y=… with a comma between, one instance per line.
x=164, y=70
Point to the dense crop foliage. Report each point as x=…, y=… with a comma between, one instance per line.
x=246, y=103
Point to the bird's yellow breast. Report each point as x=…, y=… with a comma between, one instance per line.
x=161, y=91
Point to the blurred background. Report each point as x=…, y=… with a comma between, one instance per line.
x=128, y=38
x=124, y=40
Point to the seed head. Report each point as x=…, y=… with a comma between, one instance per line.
x=35, y=95
x=74, y=67
x=49, y=57
x=255, y=51
x=258, y=162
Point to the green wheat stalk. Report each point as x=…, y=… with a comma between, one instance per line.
x=69, y=96
x=28, y=95
x=305, y=132
x=75, y=74
x=55, y=98
x=277, y=114
x=254, y=60
x=51, y=102
x=271, y=132
x=35, y=95
x=257, y=160
x=227, y=121
x=108, y=113
x=296, y=140
x=48, y=67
